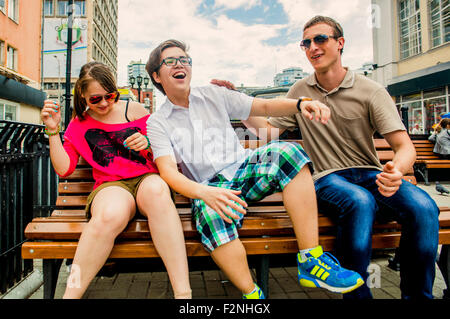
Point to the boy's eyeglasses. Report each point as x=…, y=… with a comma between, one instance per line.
x=184, y=60
x=95, y=99
x=318, y=39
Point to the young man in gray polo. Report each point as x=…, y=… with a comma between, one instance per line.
x=351, y=184
x=193, y=128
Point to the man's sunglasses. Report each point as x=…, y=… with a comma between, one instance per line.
x=95, y=99
x=184, y=60
x=318, y=39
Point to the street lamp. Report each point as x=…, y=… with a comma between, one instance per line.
x=59, y=79
x=139, y=80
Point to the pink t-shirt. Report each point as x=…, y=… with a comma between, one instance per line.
x=101, y=145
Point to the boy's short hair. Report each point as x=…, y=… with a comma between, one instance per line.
x=154, y=59
x=337, y=28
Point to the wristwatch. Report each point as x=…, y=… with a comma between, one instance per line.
x=300, y=100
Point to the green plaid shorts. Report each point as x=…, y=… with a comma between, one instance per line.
x=266, y=171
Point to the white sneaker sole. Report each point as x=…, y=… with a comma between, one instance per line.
x=343, y=290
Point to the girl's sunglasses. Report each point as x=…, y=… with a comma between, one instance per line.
x=95, y=99
x=318, y=39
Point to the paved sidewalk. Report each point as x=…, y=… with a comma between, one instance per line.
x=213, y=284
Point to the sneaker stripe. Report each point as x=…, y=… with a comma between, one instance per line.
x=325, y=276
x=320, y=272
x=314, y=270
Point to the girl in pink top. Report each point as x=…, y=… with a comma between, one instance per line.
x=102, y=145
x=110, y=135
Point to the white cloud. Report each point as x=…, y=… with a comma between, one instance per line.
x=228, y=49
x=234, y=4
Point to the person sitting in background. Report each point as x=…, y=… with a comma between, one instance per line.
x=441, y=138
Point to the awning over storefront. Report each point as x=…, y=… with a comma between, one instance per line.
x=15, y=91
x=422, y=80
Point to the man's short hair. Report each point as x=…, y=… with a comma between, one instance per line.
x=155, y=59
x=337, y=28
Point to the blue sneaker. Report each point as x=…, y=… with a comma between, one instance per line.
x=323, y=270
x=257, y=293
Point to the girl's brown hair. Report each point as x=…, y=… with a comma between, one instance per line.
x=92, y=71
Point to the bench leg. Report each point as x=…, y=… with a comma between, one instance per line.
x=51, y=271
x=444, y=266
x=394, y=262
x=262, y=274
x=423, y=171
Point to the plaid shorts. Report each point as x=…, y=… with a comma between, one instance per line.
x=266, y=171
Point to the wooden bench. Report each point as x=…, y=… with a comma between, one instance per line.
x=267, y=230
x=426, y=159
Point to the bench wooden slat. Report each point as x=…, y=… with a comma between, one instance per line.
x=266, y=211
x=385, y=156
x=75, y=187
x=253, y=246
x=381, y=143
x=80, y=173
x=80, y=200
x=272, y=224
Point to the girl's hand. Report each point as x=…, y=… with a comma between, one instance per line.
x=51, y=115
x=136, y=142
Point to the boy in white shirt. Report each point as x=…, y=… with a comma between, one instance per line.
x=193, y=128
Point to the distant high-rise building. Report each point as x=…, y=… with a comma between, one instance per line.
x=147, y=94
x=136, y=68
x=94, y=38
x=289, y=76
x=366, y=69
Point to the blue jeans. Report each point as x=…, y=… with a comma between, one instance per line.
x=351, y=198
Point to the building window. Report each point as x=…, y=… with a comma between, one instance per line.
x=410, y=28
x=48, y=7
x=424, y=109
x=439, y=11
x=63, y=7
x=2, y=52
x=13, y=9
x=11, y=59
x=8, y=111
x=80, y=8
x=435, y=105
x=415, y=115
x=2, y=6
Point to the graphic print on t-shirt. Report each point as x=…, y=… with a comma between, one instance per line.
x=105, y=146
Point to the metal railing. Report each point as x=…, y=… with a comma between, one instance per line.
x=28, y=188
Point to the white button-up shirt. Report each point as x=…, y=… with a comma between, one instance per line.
x=201, y=137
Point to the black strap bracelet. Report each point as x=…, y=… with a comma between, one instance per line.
x=298, y=105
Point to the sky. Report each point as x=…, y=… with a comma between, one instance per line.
x=243, y=41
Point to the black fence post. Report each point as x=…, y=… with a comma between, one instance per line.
x=404, y=111
x=22, y=147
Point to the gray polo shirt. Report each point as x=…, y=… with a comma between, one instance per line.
x=201, y=137
x=359, y=107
